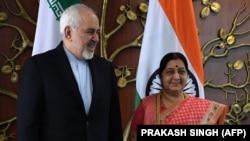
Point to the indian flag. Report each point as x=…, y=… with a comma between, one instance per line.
x=170, y=27
x=47, y=34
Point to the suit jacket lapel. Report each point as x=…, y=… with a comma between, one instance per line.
x=93, y=75
x=67, y=73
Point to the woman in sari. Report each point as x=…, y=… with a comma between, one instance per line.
x=171, y=105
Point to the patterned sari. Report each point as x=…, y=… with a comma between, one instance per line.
x=190, y=111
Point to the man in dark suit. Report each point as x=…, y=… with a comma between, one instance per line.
x=69, y=93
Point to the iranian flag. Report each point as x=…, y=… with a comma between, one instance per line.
x=170, y=27
x=47, y=34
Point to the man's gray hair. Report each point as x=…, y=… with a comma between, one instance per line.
x=71, y=17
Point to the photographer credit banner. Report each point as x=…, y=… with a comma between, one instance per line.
x=208, y=132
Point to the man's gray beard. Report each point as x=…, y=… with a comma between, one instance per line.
x=86, y=55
